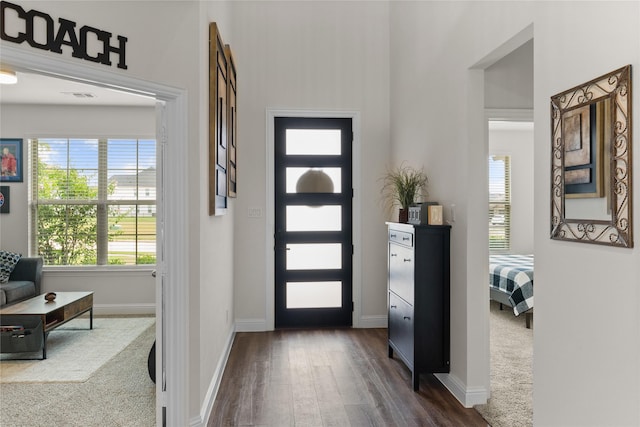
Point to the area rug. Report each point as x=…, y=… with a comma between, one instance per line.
x=119, y=394
x=511, y=343
x=74, y=352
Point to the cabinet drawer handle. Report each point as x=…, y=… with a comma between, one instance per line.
x=394, y=254
x=394, y=306
x=394, y=235
x=407, y=259
x=405, y=238
x=407, y=318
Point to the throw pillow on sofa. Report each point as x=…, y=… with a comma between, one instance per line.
x=8, y=261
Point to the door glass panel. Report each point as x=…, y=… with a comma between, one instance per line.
x=314, y=256
x=294, y=175
x=314, y=218
x=313, y=141
x=314, y=294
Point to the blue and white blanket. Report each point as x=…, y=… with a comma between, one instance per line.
x=513, y=274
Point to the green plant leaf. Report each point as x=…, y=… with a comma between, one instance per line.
x=403, y=186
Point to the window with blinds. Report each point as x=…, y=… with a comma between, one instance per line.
x=93, y=201
x=499, y=203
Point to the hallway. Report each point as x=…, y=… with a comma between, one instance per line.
x=328, y=377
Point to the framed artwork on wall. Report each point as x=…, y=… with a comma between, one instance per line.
x=591, y=167
x=218, y=120
x=232, y=124
x=583, y=130
x=11, y=151
x=4, y=198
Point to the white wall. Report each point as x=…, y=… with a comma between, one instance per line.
x=168, y=45
x=127, y=291
x=586, y=349
x=515, y=139
x=323, y=56
x=508, y=84
x=214, y=241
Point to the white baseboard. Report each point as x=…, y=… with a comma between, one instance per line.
x=251, y=325
x=214, y=386
x=124, y=309
x=468, y=396
x=378, y=321
x=260, y=325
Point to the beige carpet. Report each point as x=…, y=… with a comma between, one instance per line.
x=511, y=402
x=119, y=394
x=74, y=352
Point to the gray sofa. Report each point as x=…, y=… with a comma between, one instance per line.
x=24, y=281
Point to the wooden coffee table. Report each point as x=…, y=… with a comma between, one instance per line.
x=66, y=306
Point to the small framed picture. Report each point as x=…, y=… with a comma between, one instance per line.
x=434, y=215
x=11, y=152
x=4, y=198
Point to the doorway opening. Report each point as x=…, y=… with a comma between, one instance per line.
x=509, y=149
x=170, y=300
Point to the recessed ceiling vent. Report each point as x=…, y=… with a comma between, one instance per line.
x=80, y=94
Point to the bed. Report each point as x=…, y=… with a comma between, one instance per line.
x=511, y=283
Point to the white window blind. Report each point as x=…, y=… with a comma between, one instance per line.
x=499, y=203
x=92, y=201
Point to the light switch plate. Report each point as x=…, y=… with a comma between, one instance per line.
x=254, y=212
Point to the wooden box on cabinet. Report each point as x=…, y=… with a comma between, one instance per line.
x=418, y=283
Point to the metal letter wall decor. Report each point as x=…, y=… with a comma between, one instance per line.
x=64, y=35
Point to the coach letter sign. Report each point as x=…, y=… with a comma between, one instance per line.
x=51, y=36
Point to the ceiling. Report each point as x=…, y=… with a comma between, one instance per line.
x=45, y=90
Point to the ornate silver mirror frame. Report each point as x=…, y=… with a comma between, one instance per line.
x=599, y=110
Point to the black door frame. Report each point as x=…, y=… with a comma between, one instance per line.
x=315, y=317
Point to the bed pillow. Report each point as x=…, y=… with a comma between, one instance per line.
x=8, y=261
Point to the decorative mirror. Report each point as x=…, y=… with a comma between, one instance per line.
x=591, y=193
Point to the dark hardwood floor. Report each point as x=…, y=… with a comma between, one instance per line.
x=328, y=377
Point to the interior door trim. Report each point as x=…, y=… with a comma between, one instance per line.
x=271, y=114
x=176, y=246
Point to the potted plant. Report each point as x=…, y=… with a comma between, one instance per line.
x=402, y=186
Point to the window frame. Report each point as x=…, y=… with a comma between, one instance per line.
x=505, y=205
x=102, y=203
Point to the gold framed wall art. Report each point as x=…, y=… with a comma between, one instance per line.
x=232, y=124
x=218, y=74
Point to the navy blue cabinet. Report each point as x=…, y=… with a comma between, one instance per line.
x=419, y=286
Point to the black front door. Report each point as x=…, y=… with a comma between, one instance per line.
x=313, y=214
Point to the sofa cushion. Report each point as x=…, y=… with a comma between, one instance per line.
x=18, y=290
x=8, y=261
x=3, y=297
